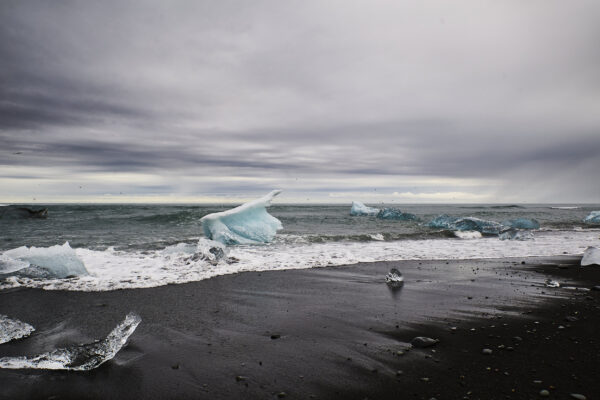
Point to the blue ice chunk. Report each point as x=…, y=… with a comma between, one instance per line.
x=466, y=224
x=44, y=262
x=359, y=208
x=515, y=234
x=249, y=223
x=593, y=218
x=395, y=213
x=443, y=222
x=522, y=223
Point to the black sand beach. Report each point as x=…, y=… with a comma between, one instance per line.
x=327, y=333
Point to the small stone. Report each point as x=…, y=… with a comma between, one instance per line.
x=425, y=379
x=275, y=336
x=175, y=366
x=281, y=395
x=422, y=341
x=578, y=396
x=538, y=382
x=486, y=351
x=399, y=372
x=544, y=393
x=400, y=353
x=240, y=378
x=596, y=288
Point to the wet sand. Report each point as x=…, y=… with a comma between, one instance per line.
x=336, y=332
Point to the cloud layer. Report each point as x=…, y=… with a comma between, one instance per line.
x=461, y=101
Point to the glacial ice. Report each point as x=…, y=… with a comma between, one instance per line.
x=522, y=223
x=593, y=218
x=79, y=357
x=43, y=262
x=249, y=223
x=395, y=213
x=466, y=224
x=468, y=234
x=11, y=329
x=359, y=208
x=515, y=234
x=394, y=278
x=591, y=256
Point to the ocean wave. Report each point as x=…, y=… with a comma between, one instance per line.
x=112, y=269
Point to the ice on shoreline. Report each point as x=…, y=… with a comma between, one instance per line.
x=592, y=218
x=80, y=357
x=591, y=256
x=42, y=262
x=249, y=223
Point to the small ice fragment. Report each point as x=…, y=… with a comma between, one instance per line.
x=249, y=223
x=79, y=358
x=377, y=236
x=466, y=224
x=394, y=277
x=551, y=283
x=591, y=256
x=11, y=329
x=359, y=208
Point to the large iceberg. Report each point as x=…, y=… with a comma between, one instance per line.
x=80, y=357
x=467, y=224
x=359, y=208
x=42, y=262
x=591, y=256
x=11, y=329
x=522, y=223
x=395, y=213
x=593, y=218
x=249, y=223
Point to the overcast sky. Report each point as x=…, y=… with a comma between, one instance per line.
x=331, y=101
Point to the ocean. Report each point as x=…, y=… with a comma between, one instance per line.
x=137, y=246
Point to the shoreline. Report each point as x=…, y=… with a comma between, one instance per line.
x=330, y=332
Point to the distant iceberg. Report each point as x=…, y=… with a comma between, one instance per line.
x=11, y=329
x=80, y=357
x=249, y=223
x=42, y=262
x=466, y=224
x=522, y=223
x=591, y=256
x=359, y=208
x=394, y=213
x=593, y=218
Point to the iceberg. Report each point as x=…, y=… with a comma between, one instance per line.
x=515, y=234
x=466, y=224
x=394, y=213
x=359, y=208
x=82, y=357
x=522, y=223
x=249, y=223
x=593, y=218
x=42, y=262
x=11, y=329
x=591, y=256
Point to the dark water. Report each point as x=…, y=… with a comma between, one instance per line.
x=149, y=227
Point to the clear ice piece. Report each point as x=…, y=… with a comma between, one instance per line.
x=359, y=209
x=82, y=357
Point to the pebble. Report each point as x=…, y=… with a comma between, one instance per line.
x=596, y=288
x=544, y=393
x=281, y=395
x=578, y=396
x=486, y=351
x=275, y=336
x=240, y=378
x=423, y=341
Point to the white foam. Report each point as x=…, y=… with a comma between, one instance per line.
x=468, y=234
x=111, y=269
